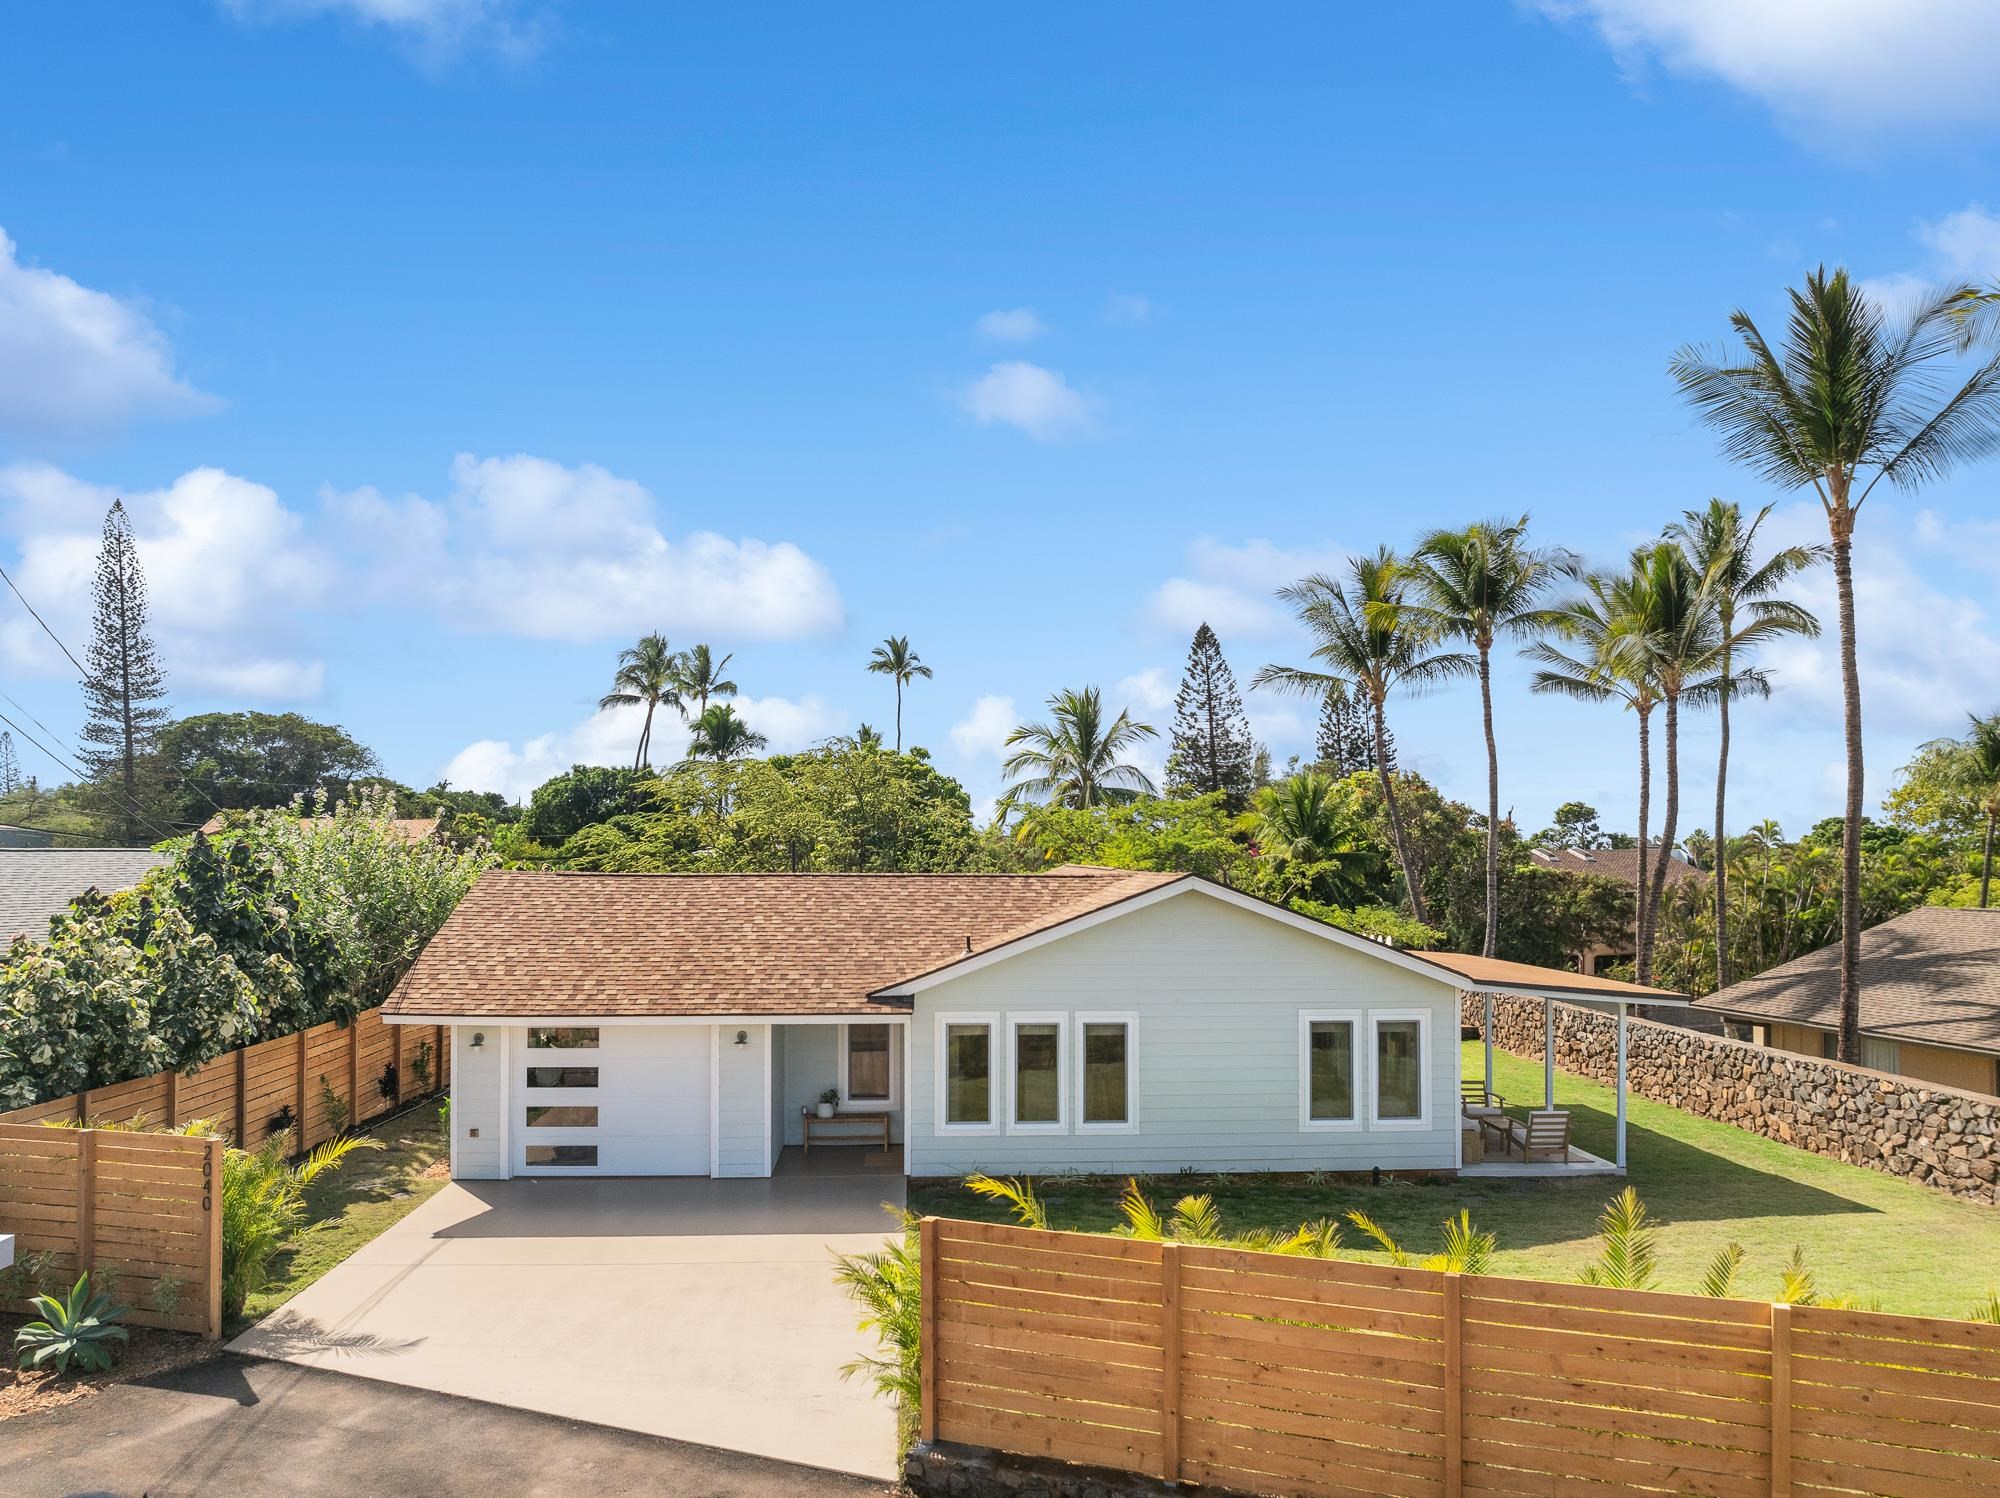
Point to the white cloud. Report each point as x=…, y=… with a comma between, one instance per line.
x=1151, y=690
x=529, y=547
x=437, y=29
x=1835, y=67
x=1230, y=588
x=1039, y=401
x=789, y=725
x=1012, y=325
x=984, y=730
x=225, y=563
x=1963, y=246
x=1127, y=311
x=75, y=361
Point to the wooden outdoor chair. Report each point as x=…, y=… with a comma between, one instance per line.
x=1476, y=1100
x=1545, y=1133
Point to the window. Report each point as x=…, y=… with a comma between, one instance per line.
x=1402, y=1069
x=965, y=1071
x=562, y=1040
x=562, y=1076
x=562, y=1116
x=867, y=1072
x=1037, y=1104
x=1327, y=1071
x=583, y=1155
x=1829, y=1045
x=1106, y=1073
x=1881, y=1055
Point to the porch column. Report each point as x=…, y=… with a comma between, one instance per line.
x=1548, y=1053
x=1486, y=1034
x=1621, y=1088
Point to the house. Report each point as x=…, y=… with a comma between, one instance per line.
x=1930, y=999
x=36, y=883
x=1623, y=865
x=1082, y=1019
x=13, y=836
x=413, y=829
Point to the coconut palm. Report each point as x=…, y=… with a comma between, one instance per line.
x=648, y=673
x=701, y=677
x=1846, y=400
x=894, y=659
x=1973, y=765
x=1311, y=841
x=1367, y=640
x=1475, y=585
x=1723, y=549
x=720, y=735
x=1073, y=759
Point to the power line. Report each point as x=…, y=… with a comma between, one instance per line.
x=129, y=806
x=44, y=624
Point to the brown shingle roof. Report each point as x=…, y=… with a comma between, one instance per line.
x=1498, y=972
x=528, y=943
x=1931, y=976
x=1621, y=864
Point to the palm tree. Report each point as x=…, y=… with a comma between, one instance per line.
x=1474, y=585
x=1973, y=764
x=1723, y=550
x=720, y=735
x=1312, y=841
x=701, y=677
x=893, y=658
x=649, y=672
x=1367, y=640
x=1846, y=401
x=1073, y=760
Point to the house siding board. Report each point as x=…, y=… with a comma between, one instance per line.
x=1217, y=994
x=812, y=1061
x=739, y=1110
x=478, y=1101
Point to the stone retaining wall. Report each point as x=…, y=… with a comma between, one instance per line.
x=1937, y=1136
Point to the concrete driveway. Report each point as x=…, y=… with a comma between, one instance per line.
x=698, y=1310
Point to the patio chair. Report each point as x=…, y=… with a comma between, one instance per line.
x=1545, y=1133
x=1476, y=1100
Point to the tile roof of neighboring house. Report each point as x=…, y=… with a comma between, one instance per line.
x=1931, y=976
x=416, y=829
x=527, y=943
x=36, y=883
x=1621, y=864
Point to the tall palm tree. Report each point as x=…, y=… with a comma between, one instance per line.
x=1973, y=765
x=893, y=658
x=701, y=677
x=1311, y=839
x=1723, y=549
x=1367, y=640
x=1476, y=585
x=720, y=735
x=1847, y=400
x=649, y=672
x=1073, y=759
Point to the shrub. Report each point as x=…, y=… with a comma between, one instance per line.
x=420, y=1066
x=887, y=1284
x=263, y=1204
x=78, y=1330
x=334, y=1107
x=386, y=1084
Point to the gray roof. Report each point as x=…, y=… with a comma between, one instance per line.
x=36, y=883
x=1621, y=864
x=1931, y=976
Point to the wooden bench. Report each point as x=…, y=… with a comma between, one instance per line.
x=874, y=1126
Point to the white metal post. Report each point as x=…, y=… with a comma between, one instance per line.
x=1548, y=1053
x=1621, y=1089
x=1486, y=1033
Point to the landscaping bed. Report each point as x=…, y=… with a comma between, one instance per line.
x=30, y=1391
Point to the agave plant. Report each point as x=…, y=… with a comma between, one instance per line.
x=1467, y=1250
x=1628, y=1255
x=887, y=1284
x=79, y=1330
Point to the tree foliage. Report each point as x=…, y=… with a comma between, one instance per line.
x=1212, y=749
x=124, y=689
x=251, y=759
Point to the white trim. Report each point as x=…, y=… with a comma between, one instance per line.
x=1358, y=1083
x=1059, y=1021
x=872, y=1014
x=714, y=1101
x=871, y=1104
x=1130, y=1020
x=457, y=1119
x=506, y=1101
x=995, y=1079
x=770, y=1065
x=1376, y=1019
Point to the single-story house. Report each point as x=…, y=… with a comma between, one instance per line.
x=1930, y=999
x=1086, y=1019
x=1623, y=865
x=36, y=883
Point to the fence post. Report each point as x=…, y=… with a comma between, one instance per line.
x=1454, y=1388
x=1170, y=1362
x=354, y=1109
x=300, y=1144
x=211, y=1203
x=242, y=1096
x=86, y=1199
x=437, y=1059
x=927, y=1258
x=173, y=1097
x=83, y=1109
x=396, y=1053
x=1781, y=1401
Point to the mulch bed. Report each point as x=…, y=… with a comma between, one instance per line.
x=30, y=1391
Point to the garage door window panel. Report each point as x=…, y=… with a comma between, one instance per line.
x=562, y=1076
x=563, y=1038
x=561, y=1156
x=561, y=1116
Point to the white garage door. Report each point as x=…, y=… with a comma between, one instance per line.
x=620, y=1100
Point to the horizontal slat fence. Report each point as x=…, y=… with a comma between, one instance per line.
x=142, y=1212
x=1267, y=1373
x=245, y=1090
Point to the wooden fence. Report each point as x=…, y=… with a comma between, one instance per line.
x=142, y=1212
x=251, y=1090
x=1322, y=1377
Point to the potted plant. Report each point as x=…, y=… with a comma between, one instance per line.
x=827, y=1100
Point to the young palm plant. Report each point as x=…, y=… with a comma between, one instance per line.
x=1628, y=1252
x=1718, y=1281
x=1074, y=758
x=1196, y=1219
x=1467, y=1250
x=894, y=659
x=887, y=1285
x=1308, y=838
x=648, y=673
x=264, y=1204
x=1845, y=400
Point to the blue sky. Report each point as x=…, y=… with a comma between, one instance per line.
x=442, y=347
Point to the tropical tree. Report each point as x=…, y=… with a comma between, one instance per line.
x=1475, y=585
x=124, y=688
x=1074, y=758
x=894, y=659
x=1367, y=639
x=1212, y=747
x=1723, y=549
x=1312, y=843
x=1847, y=399
x=1972, y=770
x=649, y=673
x=700, y=677
x=720, y=735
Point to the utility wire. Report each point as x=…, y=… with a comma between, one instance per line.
x=43, y=622
x=136, y=812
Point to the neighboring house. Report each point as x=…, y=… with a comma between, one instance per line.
x=36, y=883
x=12, y=836
x=1087, y=1019
x=413, y=829
x=1930, y=999
x=1621, y=864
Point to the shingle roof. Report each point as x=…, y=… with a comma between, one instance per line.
x=1621, y=864
x=36, y=883
x=528, y=943
x=1498, y=972
x=1931, y=976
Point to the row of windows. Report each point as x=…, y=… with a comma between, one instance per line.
x=1382, y=1055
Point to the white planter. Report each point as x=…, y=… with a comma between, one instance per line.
x=826, y=1110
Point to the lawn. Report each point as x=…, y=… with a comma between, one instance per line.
x=1864, y=1234
x=370, y=1192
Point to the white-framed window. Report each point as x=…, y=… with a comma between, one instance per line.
x=1036, y=1074
x=1399, y=1069
x=968, y=1074
x=1330, y=1071
x=1107, y=1073
x=868, y=1070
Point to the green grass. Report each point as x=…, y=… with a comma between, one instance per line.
x=371, y=1192
x=1865, y=1234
